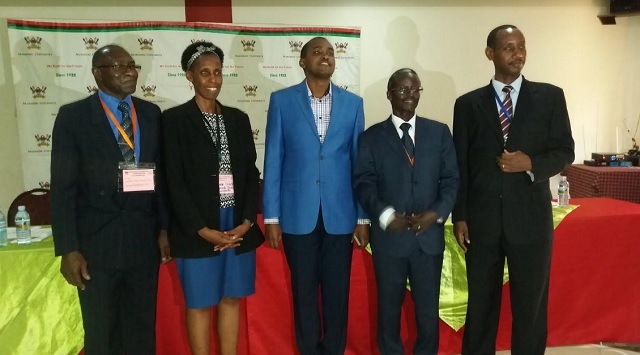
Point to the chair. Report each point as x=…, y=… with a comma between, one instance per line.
x=38, y=205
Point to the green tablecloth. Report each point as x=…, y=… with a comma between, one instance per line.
x=453, y=282
x=39, y=311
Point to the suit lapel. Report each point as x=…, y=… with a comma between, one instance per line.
x=103, y=133
x=145, y=130
x=302, y=100
x=487, y=104
x=194, y=117
x=522, y=110
x=392, y=138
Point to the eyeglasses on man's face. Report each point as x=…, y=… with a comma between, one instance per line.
x=405, y=90
x=122, y=68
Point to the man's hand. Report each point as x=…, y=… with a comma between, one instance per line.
x=422, y=221
x=461, y=232
x=514, y=162
x=220, y=240
x=400, y=223
x=74, y=269
x=362, y=233
x=273, y=235
x=163, y=245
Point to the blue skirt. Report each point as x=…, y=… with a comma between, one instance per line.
x=205, y=281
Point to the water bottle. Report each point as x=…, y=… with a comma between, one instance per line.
x=3, y=231
x=563, y=192
x=23, y=226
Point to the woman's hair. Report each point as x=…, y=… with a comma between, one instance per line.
x=196, y=49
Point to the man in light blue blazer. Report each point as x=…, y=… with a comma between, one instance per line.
x=308, y=200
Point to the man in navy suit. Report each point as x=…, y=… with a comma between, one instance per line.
x=406, y=179
x=511, y=136
x=308, y=202
x=109, y=238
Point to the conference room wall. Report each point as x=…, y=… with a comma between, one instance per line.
x=11, y=173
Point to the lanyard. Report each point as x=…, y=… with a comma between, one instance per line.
x=504, y=109
x=117, y=124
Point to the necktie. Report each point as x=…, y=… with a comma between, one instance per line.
x=507, y=104
x=127, y=127
x=406, y=139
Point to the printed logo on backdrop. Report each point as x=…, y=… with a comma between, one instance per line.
x=295, y=46
x=148, y=90
x=38, y=92
x=91, y=43
x=146, y=44
x=33, y=42
x=92, y=89
x=344, y=87
x=341, y=47
x=248, y=46
x=255, y=133
x=193, y=40
x=43, y=140
x=44, y=184
x=250, y=90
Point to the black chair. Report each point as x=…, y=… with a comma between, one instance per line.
x=38, y=205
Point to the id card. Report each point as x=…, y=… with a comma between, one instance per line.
x=225, y=184
x=136, y=178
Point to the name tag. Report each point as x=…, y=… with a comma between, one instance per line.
x=226, y=184
x=136, y=178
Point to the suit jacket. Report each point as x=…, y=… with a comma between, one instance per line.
x=493, y=202
x=300, y=173
x=111, y=229
x=384, y=178
x=192, y=167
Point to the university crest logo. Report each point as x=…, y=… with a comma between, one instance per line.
x=146, y=43
x=193, y=40
x=43, y=140
x=341, y=48
x=148, y=90
x=296, y=46
x=250, y=90
x=44, y=184
x=248, y=46
x=343, y=87
x=255, y=134
x=91, y=43
x=38, y=92
x=92, y=89
x=33, y=42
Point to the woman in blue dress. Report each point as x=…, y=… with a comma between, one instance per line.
x=213, y=186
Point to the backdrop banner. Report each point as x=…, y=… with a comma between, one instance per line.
x=52, y=66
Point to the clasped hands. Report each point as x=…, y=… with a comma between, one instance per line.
x=415, y=222
x=227, y=239
x=513, y=162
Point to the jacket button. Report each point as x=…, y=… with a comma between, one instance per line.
x=318, y=182
x=101, y=193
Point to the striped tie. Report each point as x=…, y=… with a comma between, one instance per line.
x=127, y=127
x=505, y=122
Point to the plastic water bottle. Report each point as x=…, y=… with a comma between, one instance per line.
x=563, y=192
x=3, y=231
x=23, y=226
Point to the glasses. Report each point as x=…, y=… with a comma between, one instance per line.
x=121, y=68
x=404, y=90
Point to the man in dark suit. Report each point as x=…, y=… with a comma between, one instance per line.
x=410, y=189
x=109, y=238
x=311, y=145
x=511, y=136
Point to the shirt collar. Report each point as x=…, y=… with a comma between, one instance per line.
x=111, y=101
x=498, y=86
x=397, y=121
x=310, y=94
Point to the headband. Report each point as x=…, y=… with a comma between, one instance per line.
x=200, y=50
